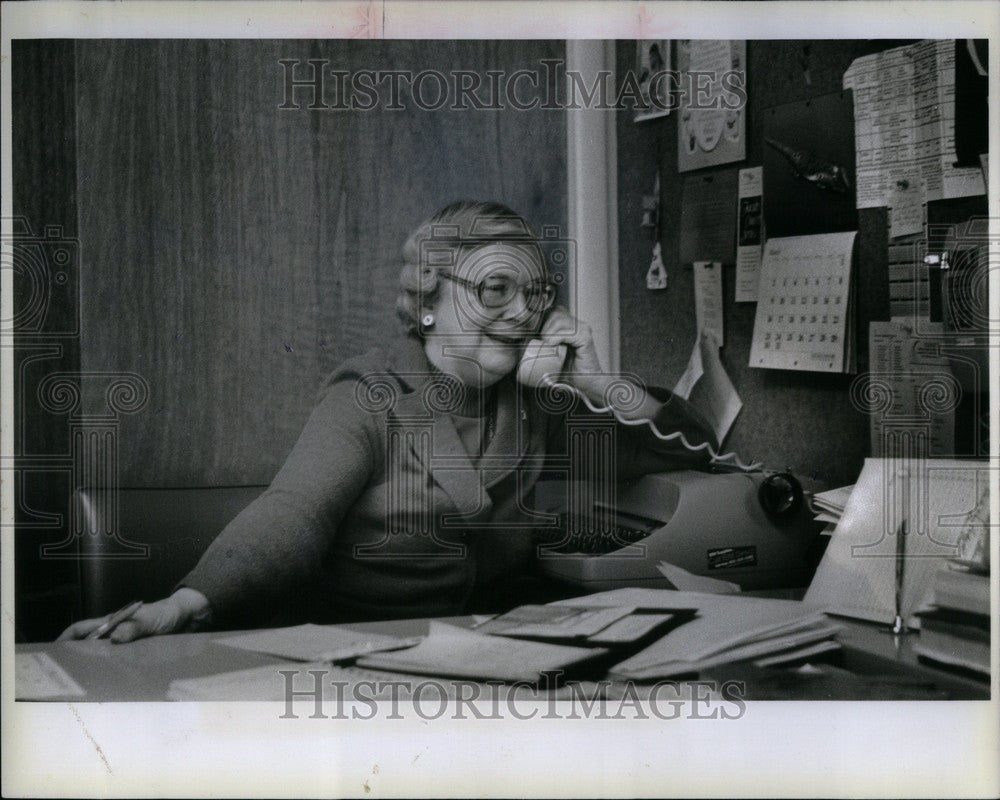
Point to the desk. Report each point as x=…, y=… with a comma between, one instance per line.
x=143, y=670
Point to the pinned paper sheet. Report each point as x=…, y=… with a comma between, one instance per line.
x=708, y=218
x=908, y=365
x=904, y=118
x=688, y=582
x=906, y=203
x=707, y=385
x=708, y=298
x=749, y=234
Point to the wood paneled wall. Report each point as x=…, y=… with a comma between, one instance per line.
x=234, y=253
x=43, y=178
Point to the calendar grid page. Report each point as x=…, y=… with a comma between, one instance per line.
x=804, y=304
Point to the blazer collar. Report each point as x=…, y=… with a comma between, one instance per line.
x=518, y=430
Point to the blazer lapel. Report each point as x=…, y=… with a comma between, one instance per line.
x=510, y=440
x=444, y=457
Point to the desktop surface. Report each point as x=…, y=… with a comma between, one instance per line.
x=871, y=665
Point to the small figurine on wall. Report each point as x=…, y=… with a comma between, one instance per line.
x=824, y=174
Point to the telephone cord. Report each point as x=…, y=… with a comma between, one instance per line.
x=717, y=458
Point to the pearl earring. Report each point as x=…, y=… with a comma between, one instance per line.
x=427, y=321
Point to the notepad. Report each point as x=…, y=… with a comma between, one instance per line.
x=315, y=642
x=453, y=652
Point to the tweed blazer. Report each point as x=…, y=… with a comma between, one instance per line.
x=379, y=511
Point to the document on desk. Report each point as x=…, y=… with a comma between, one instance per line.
x=726, y=628
x=688, y=582
x=452, y=652
x=315, y=642
x=38, y=676
x=341, y=684
x=604, y=626
x=857, y=576
x=553, y=622
x=271, y=682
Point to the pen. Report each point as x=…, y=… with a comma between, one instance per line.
x=115, y=620
x=898, y=626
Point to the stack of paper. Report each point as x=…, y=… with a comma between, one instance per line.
x=727, y=628
x=829, y=507
x=453, y=652
x=955, y=628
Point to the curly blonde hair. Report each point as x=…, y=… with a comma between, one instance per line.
x=444, y=239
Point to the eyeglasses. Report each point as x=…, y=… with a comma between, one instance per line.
x=497, y=291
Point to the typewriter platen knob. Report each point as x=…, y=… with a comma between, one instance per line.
x=780, y=495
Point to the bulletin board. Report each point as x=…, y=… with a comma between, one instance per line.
x=803, y=421
x=808, y=157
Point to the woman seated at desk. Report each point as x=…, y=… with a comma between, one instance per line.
x=404, y=495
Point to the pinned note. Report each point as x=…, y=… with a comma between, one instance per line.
x=708, y=299
x=749, y=233
x=906, y=202
x=706, y=384
x=708, y=218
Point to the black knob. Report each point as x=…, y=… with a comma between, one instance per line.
x=780, y=495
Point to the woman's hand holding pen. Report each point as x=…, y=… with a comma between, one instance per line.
x=185, y=610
